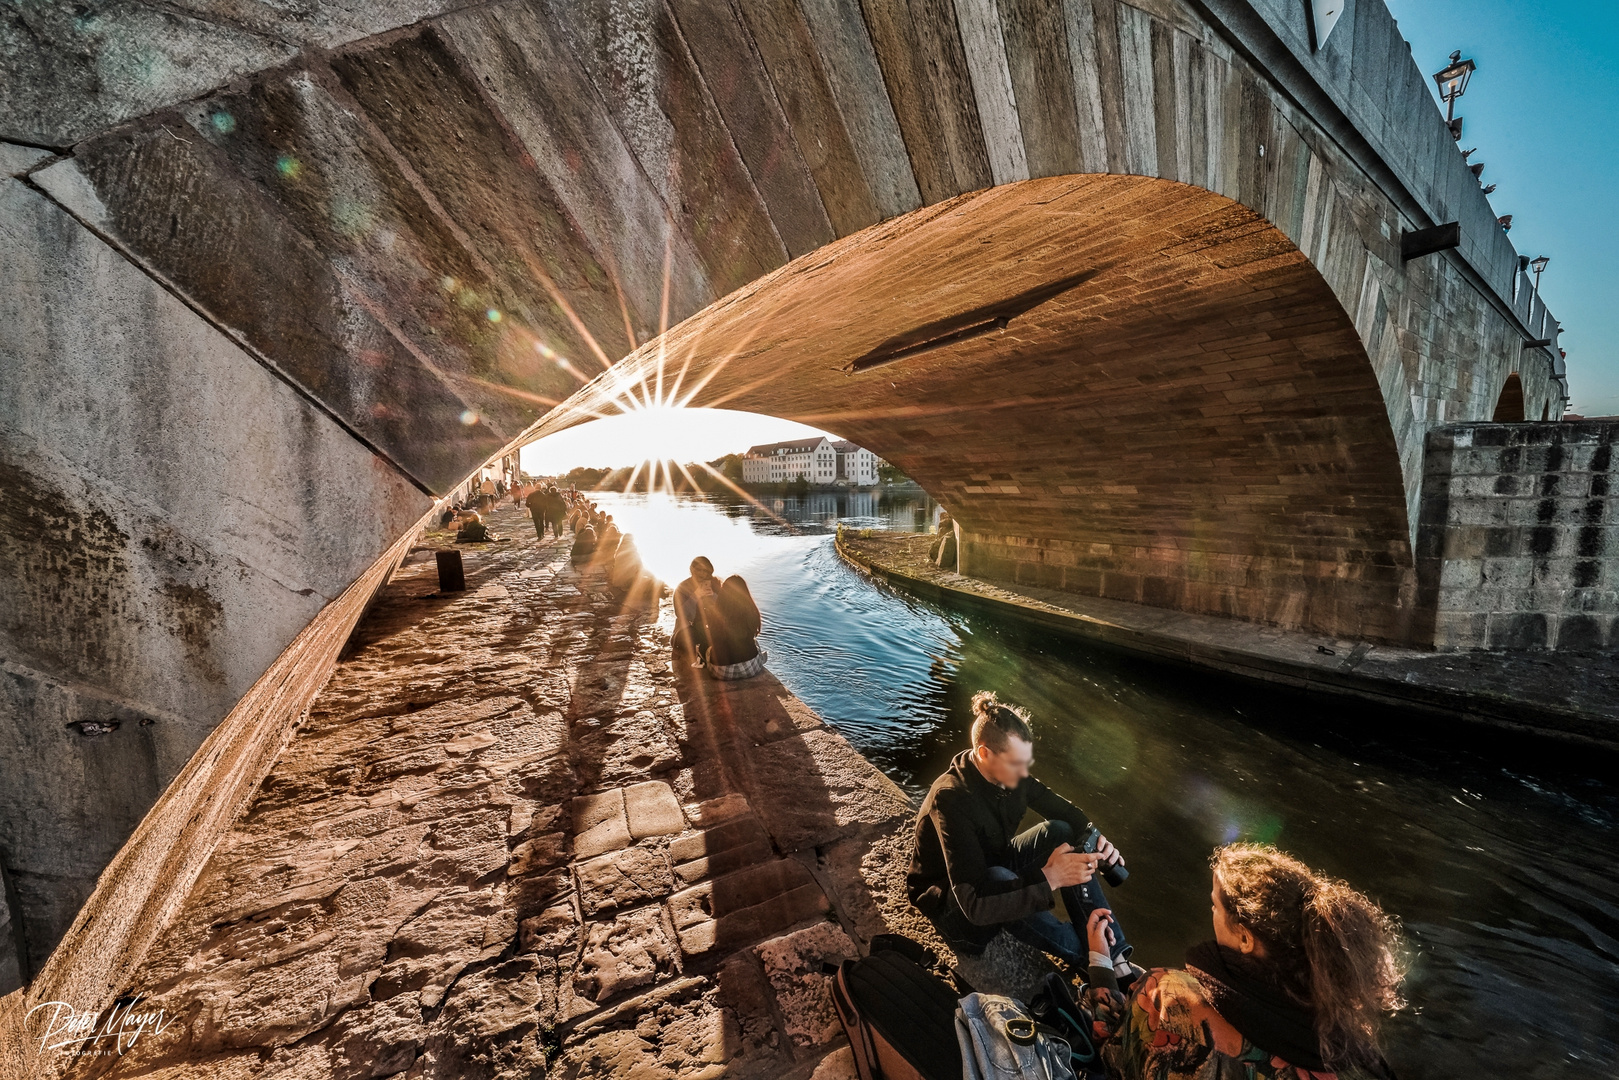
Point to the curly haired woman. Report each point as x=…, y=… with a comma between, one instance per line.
x=1294, y=986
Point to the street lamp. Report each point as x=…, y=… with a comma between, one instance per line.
x=1452, y=85
x=1539, y=267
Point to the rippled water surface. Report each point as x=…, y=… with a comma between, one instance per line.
x=1500, y=857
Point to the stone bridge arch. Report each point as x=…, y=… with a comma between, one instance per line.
x=1120, y=386
x=323, y=269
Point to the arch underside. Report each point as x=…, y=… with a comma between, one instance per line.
x=1192, y=423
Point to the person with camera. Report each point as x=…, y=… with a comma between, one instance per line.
x=973, y=874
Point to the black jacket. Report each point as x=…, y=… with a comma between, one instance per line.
x=966, y=826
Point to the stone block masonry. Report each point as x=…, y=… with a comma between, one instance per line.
x=1518, y=544
x=320, y=261
x=508, y=841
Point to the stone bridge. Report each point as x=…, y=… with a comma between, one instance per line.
x=1121, y=283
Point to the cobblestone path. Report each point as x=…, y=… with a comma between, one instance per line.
x=507, y=841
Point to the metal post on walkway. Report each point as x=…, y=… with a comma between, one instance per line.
x=451, y=576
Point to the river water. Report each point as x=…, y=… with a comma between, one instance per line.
x=1500, y=856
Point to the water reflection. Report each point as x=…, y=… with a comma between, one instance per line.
x=1501, y=862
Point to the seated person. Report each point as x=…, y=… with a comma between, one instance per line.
x=624, y=568
x=1294, y=985
x=472, y=528
x=733, y=630
x=608, y=534
x=689, y=642
x=584, y=546
x=973, y=874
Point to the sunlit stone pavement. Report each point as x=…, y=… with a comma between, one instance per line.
x=503, y=845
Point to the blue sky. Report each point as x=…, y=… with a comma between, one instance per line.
x=1541, y=109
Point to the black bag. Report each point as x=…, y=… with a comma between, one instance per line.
x=1056, y=1009
x=900, y=1017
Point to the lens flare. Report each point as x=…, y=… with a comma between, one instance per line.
x=289, y=166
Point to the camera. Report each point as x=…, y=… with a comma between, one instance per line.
x=1114, y=873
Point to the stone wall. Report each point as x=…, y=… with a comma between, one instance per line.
x=1519, y=539
x=172, y=516
x=149, y=878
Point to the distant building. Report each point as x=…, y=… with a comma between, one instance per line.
x=819, y=461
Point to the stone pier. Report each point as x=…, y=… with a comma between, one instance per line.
x=509, y=841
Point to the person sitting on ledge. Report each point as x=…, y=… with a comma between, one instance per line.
x=624, y=568
x=584, y=546
x=472, y=529
x=689, y=642
x=973, y=874
x=607, y=534
x=1294, y=986
x=733, y=630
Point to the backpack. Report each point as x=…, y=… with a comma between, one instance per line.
x=900, y=1017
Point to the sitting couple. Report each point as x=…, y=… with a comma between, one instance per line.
x=717, y=625
x=1294, y=984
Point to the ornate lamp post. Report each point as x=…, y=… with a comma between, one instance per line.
x=1452, y=85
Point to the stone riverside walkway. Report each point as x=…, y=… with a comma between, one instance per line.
x=507, y=843
x=1562, y=695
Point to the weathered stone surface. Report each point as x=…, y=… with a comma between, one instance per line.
x=599, y=823
x=679, y=1033
x=1518, y=544
x=407, y=890
x=429, y=952
x=16, y=160
x=622, y=878
x=751, y=1005
x=630, y=951
x=1006, y=966
x=865, y=877
x=718, y=811
x=809, y=789
x=490, y=1027
x=803, y=991
x=623, y=749
x=744, y=906
x=838, y=1065
x=555, y=931
x=721, y=849
x=652, y=810
x=538, y=853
